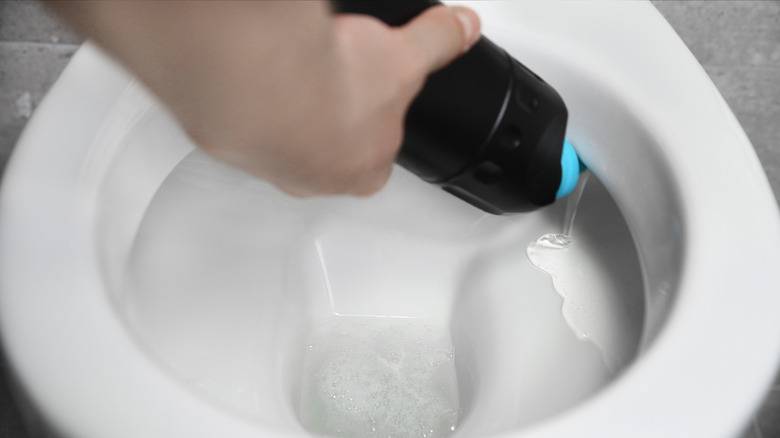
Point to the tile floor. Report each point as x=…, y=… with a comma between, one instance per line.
x=737, y=42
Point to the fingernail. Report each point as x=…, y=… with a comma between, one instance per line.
x=470, y=23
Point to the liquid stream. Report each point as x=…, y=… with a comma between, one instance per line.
x=553, y=253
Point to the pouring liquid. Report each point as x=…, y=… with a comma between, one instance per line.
x=556, y=254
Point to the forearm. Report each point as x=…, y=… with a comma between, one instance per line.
x=285, y=90
x=278, y=52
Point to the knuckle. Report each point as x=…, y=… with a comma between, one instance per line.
x=413, y=71
x=416, y=59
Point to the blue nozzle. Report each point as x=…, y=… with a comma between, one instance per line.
x=570, y=170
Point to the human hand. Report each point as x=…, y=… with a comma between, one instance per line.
x=347, y=142
x=310, y=101
x=382, y=71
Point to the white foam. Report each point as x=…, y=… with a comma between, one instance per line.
x=384, y=377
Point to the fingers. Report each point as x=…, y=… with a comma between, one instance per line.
x=383, y=68
x=440, y=34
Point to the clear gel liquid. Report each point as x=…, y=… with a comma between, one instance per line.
x=557, y=255
x=572, y=203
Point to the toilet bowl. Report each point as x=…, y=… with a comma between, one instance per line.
x=149, y=291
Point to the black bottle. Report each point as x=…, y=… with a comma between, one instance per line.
x=485, y=128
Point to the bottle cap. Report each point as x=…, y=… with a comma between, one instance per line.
x=570, y=170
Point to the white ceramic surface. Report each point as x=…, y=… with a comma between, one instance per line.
x=645, y=118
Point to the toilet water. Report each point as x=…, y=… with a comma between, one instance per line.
x=370, y=376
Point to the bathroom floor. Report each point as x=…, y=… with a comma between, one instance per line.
x=737, y=42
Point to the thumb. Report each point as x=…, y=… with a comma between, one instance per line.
x=440, y=34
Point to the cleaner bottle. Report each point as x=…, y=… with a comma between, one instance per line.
x=485, y=128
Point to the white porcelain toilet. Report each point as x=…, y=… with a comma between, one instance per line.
x=149, y=291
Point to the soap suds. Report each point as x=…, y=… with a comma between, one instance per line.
x=383, y=377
